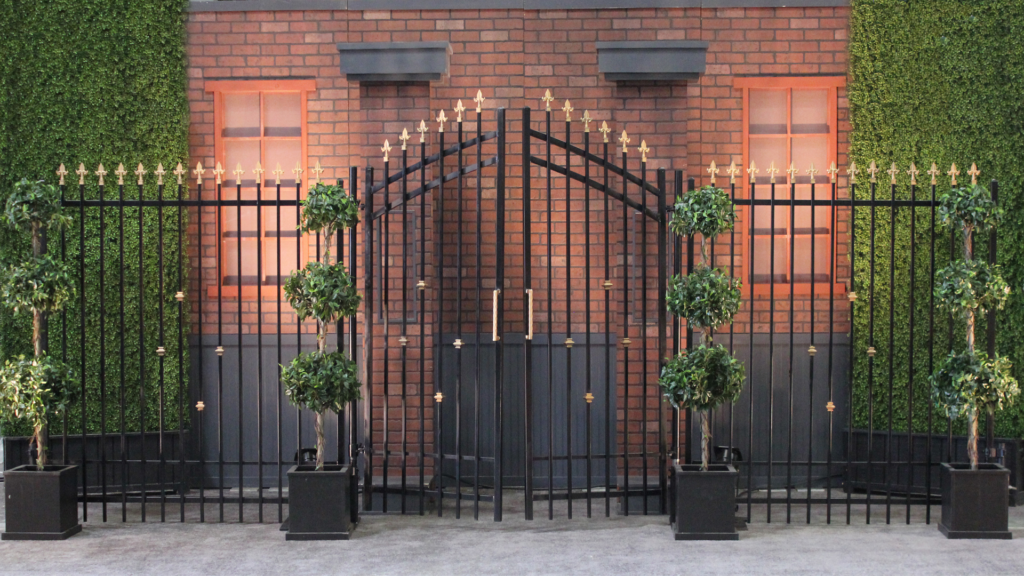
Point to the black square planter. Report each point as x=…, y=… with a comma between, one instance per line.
x=704, y=502
x=41, y=504
x=319, y=503
x=975, y=503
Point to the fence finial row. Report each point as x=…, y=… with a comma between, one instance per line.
x=852, y=171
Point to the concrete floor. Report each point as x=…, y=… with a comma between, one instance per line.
x=429, y=545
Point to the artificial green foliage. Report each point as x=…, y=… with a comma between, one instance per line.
x=39, y=285
x=328, y=208
x=703, y=378
x=707, y=211
x=321, y=381
x=99, y=82
x=970, y=206
x=38, y=203
x=967, y=381
x=34, y=390
x=937, y=81
x=707, y=297
x=322, y=291
x=970, y=285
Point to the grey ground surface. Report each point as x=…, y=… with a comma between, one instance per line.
x=429, y=545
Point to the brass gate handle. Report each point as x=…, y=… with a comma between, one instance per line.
x=529, y=314
x=494, y=316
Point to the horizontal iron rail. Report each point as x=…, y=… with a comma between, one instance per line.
x=267, y=202
x=468, y=169
x=599, y=161
x=559, y=169
x=433, y=158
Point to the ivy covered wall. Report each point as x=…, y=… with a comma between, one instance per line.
x=932, y=81
x=91, y=82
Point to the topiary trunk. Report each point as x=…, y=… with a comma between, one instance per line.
x=39, y=343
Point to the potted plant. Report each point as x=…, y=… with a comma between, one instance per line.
x=41, y=499
x=708, y=376
x=319, y=495
x=974, y=495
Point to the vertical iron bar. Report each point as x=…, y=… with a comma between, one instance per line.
x=643, y=325
x=625, y=336
x=220, y=355
x=103, y=353
x=910, y=350
x=259, y=344
x=162, y=469
x=750, y=352
x=892, y=331
x=241, y=404
x=871, y=357
x=477, y=288
x=990, y=441
x=405, y=319
x=202, y=323
x=550, y=351
x=771, y=352
x=499, y=358
x=931, y=358
x=810, y=369
x=181, y=362
x=142, y=361
x=385, y=309
x=586, y=292
x=792, y=272
x=607, y=340
x=832, y=277
x=280, y=359
x=423, y=315
x=853, y=360
x=368, y=300
x=438, y=338
x=568, y=317
x=458, y=330
x=353, y=174
x=528, y=288
x=81, y=303
x=121, y=331
x=662, y=320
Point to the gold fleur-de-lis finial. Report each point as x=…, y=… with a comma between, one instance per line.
x=101, y=172
x=873, y=170
x=752, y=171
x=82, y=173
x=852, y=172
x=586, y=121
x=198, y=172
x=772, y=171
x=893, y=171
x=258, y=171
x=811, y=172
x=160, y=172
x=913, y=174
x=277, y=174
x=238, y=172
x=298, y=172
x=934, y=173
x=568, y=111
x=459, y=109
x=404, y=138
x=441, y=119
x=974, y=172
x=953, y=173
x=218, y=173
x=833, y=172
x=317, y=171
x=624, y=140
x=643, y=150
x=423, y=131
x=386, y=149
x=733, y=172
x=179, y=172
x=140, y=172
x=547, y=99
x=604, y=130
x=121, y=173
x=792, y=171
x=479, y=101
x=61, y=173
x=713, y=171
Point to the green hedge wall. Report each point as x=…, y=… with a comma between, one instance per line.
x=933, y=81
x=99, y=81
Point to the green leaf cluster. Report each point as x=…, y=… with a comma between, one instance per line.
x=35, y=203
x=39, y=285
x=970, y=206
x=703, y=378
x=707, y=211
x=962, y=286
x=321, y=381
x=707, y=297
x=323, y=291
x=328, y=208
x=32, y=390
x=967, y=381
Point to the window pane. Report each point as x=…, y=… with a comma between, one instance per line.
x=810, y=112
x=244, y=153
x=286, y=153
x=282, y=114
x=764, y=151
x=767, y=112
x=241, y=115
x=763, y=260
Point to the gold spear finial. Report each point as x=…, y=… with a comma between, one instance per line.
x=317, y=171
x=459, y=109
x=604, y=130
x=752, y=171
x=61, y=173
x=479, y=101
x=733, y=172
x=82, y=173
x=833, y=172
x=179, y=172
x=974, y=172
x=121, y=173
x=913, y=174
x=772, y=171
x=873, y=170
x=238, y=172
x=198, y=172
x=547, y=99
x=713, y=171
x=160, y=172
x=811, y=171
x=218, y=173
x=386, y=149
x=140, y=172
x=423, y=131
x=852, y=172
x=568, y=111
x=624, y=140
x=101, y=173
x=258, y=171
x=643, y=150
x=893, y=171
x=953, y=173
x=297, y=171
x=441, y=119
x=586, y=121
x=792, y=171
x=934, y=172
x=404, y=138
x=277, y=174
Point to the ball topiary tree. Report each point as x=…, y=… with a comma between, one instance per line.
x=322, y=380
x=708, y=376
x=35, y=389
x=969, y=382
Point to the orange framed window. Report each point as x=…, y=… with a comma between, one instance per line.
x=789, y=121
x=259, y=121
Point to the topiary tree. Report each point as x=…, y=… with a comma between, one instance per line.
x=35, y=389
x=708, y=376
x=969, y=382
x=322, y=380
